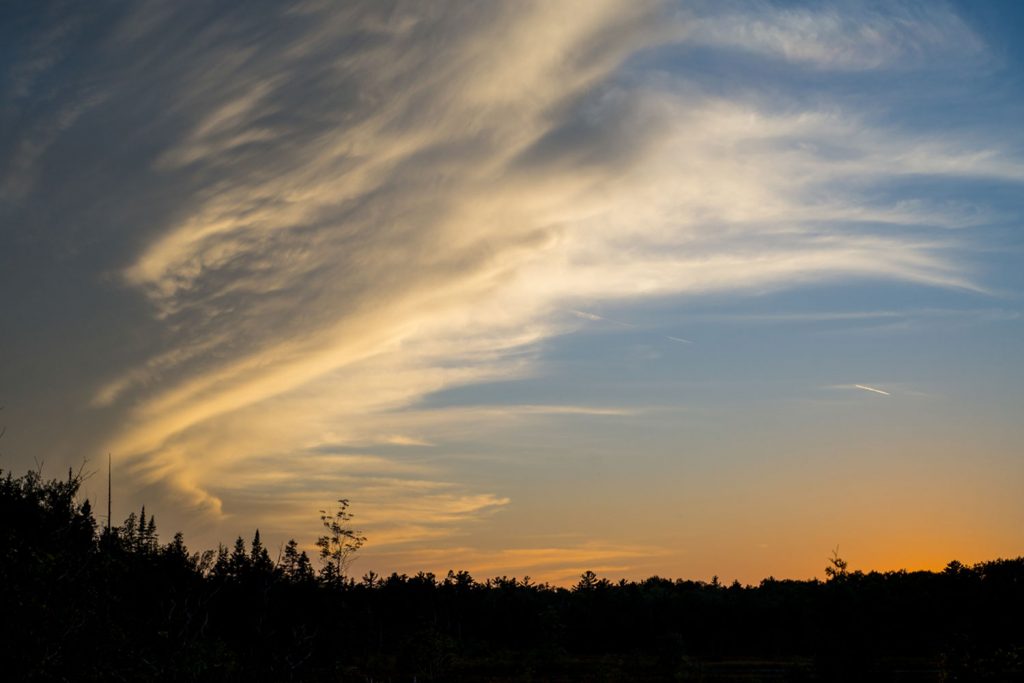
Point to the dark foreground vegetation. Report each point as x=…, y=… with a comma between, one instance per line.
x=81, y=605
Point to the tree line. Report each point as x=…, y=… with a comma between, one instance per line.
x=80, y=603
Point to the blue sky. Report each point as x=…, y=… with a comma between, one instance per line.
x=671, y=287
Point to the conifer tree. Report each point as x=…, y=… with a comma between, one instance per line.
x=129, y=531
x=304, y=569
x=222, y=565
x=150, y=535
x=290, y=558
x=141, y=534
x=176, y=549
x=259, y=559
x=295, y=564
x=239, y=563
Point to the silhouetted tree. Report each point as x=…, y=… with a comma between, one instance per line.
x=259, y=559
x=295, y=564
x=222, y=565
x=239, y=562
x=588, y=581
x=341, y=542
x=837, y=568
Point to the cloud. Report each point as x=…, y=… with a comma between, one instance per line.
x=587, y=316
x=847, y=36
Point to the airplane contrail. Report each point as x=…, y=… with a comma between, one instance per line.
x=600, y=318
x=877, y=391
x=595, y=317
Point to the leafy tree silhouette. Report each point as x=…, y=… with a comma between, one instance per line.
x=588, y=582
x=838, y=568
x=341, y=542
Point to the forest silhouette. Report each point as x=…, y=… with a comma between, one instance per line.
x=82, y=603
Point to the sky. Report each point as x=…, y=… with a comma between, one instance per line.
x=674, y=288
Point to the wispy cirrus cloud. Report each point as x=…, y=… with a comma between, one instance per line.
x=847, y=36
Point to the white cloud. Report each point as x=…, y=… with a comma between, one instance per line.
x=847, y=36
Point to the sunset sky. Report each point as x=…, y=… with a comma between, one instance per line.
x=677, y=288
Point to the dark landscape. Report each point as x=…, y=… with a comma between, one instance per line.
x=82, y=604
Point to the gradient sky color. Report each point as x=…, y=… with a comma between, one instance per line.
x=685, y=288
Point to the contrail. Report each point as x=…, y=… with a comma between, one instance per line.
x=595, y=317
x=600, y=318
x=877, y=391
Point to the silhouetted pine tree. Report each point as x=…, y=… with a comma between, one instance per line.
x=296, y=565
x=239, y=562
x=222, y=565
x=259, y=559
